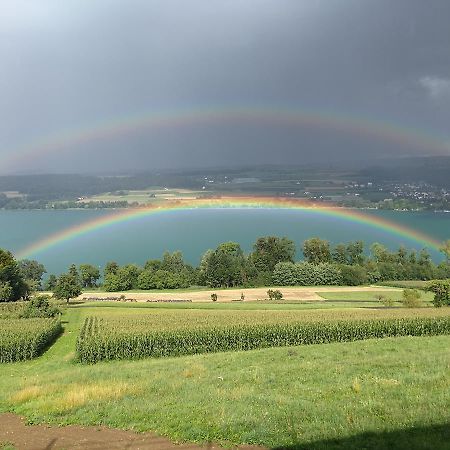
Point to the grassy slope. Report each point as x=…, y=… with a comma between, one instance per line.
x=275, y=397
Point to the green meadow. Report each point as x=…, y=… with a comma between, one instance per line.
x=373, y=394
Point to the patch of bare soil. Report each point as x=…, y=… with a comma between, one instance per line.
x=228, y=295
x=43, y=437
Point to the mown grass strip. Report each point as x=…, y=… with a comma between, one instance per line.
x=22, y=339
x=101, y=339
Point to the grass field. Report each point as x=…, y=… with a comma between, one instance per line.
x=147, y=196
x=378, y=393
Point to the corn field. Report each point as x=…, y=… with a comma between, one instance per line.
x=22, y=339
x=108, y=338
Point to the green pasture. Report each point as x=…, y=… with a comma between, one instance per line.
x=366, y=298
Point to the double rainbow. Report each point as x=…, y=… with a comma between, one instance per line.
x=71, y=139
x=128, y=215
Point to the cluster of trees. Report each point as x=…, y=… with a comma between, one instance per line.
x=272, y=262
x=170, y=272
x=348, y=264
x=225, y=266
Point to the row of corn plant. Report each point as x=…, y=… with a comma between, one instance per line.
x=101, y=339
x=22, y=339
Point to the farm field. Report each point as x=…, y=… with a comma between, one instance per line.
x=251, y=294
x=146, y=196
x=377, y=393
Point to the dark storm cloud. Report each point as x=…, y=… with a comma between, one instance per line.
x=65, y=65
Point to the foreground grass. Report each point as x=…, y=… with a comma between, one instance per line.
x=292, y=397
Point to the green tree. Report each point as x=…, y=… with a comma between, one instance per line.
x=152, y=265
x=316, y=250
x=339, y=254
x=89, y=275
x=225, y=266
x=111, y=267
x=268, y=251
x=122, y=279
x=146, y=280
x=32, y=270
x=445, y=249
x=50, y=284
x=67, y=287
x=353, y=275
x=380, y=253
x=441, y=290
x=172, y=262
x=11, y=278
x=355, y=253
x=5, y=291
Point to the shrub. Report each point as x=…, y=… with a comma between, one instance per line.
x=411, y=298
x=39, y=306
x=386, y=301
x=353, y=275
x=274, y=294
x=441, y=290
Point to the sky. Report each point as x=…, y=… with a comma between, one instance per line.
x=96, y=85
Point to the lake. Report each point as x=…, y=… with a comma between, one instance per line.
x=195, y=231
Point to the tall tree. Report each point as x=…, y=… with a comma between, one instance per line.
x=11, y=279
x=89, y=275
x=172, y=262
x=268, y=251
x=339, y=254
x=355, y=253
x=67, y=287
x=111, y=268
x=316, y=250
x=445, y=249
x=225, y=266
x=32, y=270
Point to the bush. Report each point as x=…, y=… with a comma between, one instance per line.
x=39, y=306
x=274, y=294
x=411, y=298
x=441, y=290
x=353, y=275
x=306, y=274
x=386, y=301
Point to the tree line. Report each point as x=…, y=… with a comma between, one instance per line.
x=270, y=263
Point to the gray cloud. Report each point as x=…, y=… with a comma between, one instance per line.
x=68, y=65
x=437, y=88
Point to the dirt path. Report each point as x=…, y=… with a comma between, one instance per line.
x=253, y=294
x=42, y=437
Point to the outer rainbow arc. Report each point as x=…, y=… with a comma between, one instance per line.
x=65, y=140
x=356, y=216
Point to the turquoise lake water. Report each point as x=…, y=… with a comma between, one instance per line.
x=195, y=231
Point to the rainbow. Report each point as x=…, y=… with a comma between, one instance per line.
x=69, y=139
x=128, y=215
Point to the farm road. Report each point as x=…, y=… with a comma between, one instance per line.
x=42, y=437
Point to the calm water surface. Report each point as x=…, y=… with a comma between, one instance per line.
x=195, y=231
